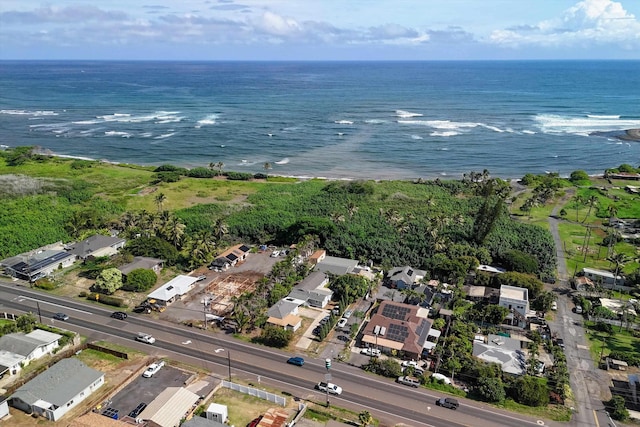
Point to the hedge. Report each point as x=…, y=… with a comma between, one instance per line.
x=106, y=299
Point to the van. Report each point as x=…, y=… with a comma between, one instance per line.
x=410, y=381
x=448, y=402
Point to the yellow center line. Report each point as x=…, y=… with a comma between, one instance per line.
x=595, y=417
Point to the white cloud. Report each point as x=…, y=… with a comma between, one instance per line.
x=588, y=21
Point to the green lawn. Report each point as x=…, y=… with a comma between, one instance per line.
x=621, y=340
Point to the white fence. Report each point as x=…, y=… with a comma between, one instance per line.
x=279, y=400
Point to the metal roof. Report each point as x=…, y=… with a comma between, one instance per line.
x=170, y=406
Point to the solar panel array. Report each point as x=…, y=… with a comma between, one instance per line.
x=397, y=333
x=395, y=312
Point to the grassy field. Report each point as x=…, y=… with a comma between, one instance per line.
x=620, y=340
x=242, y=407
x=554, y=412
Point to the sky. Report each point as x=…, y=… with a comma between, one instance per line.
x=319, y=29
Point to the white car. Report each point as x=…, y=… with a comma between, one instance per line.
x=332, y=388
x=373, y=352
x=275, y=254
x=145, y=338
x=442, y=378
x=152, y=369
x=342, y=323
x=554, y=306
x=413, y=363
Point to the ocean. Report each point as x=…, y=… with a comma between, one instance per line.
x=378, y=120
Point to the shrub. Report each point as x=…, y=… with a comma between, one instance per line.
x=81, y=164
x=201, y=173
x=166, y=177
x=274, y=336
x=106, y=299
x=239, y=176
x=140, y=280
x=45, y=284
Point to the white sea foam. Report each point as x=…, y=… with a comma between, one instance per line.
x=554, y=123
x=417, y=137
x=600, y=116
x=38, y=113
x=283, y=161
x=164, y=136
x=375, y=121
x=145, y=135
x=407, y=114
x=343, y=122
x=117, y=133
x=445, y=133
x=529, y=132
x=208, y=120
x=493, y=128
x=440, y=124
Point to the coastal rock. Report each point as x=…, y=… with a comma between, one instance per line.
x=625, y=135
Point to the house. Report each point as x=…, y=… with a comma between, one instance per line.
x=143, y=262
x=517, y=301
x=604, y=277
x=317, y=256
x=617, y=306
x=274, y=417
x=220, y=264
x=624, y=175
x=202, y=422
x=504, y=351
x=336, y=266
x=401, y=327
x=284, y=314
x=404, y=277
x=583, y=283
x=235, y=254
x=4, y=408
x=432, y=292
x=97, y=246
x=174, y=289
x=313, y=290
x=57, y=390
x=35, y=266
x=482, y=293
x=169, y=407
x=18, y=350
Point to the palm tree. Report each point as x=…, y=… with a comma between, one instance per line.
x=266, y=167
x=591, y=201
x=365, y=418
x=220, y=228
x=212, y=166
x=619, y=260
x=174, y=231
x=220, y=167
x=578, y=201
x=160, y=199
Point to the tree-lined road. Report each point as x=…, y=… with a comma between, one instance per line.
x=390, y=402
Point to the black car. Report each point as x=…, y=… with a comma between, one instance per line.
x=138, y=410
x=120, y=315
x=447, y=402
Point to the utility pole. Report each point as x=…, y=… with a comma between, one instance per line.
x=229, y=363
x=327, y=364
x=39, y=314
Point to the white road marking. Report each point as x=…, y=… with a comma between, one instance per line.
x=187, y=342
x=50, y=303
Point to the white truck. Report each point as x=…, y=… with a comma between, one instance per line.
x=333, y=389
x=153, y=369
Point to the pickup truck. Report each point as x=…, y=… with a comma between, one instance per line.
x=145, y=338
x=152, y=369
x=332, y=388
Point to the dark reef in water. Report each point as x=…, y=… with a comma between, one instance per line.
x=625, y=135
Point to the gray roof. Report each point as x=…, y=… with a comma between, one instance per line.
x=92, y=244
x=24, y=345
x=140, y=262
x=312, y=281
x=202, y=422
x=304, y=295
x=58, y=384
x=406, y=274
x=335, y=265
x=19, y=343
x=510, y=361
x=282, y=309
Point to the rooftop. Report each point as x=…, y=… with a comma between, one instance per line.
x=514, y=293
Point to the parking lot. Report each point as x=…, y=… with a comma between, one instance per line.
x=144, y=390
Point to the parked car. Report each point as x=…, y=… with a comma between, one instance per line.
x=145, y=338
x=325, y=319
x=579, y=309
x=413, y=363
x=347, y=314
x=332, y=388
x=416, y=370
x=410, y=381
x=201, y=278
x=554, y=306
x=61, y=316
x=120, y=315
x=138, y=410
x=448, y=402
x=275, y=254
x=298, y=361
x=369, y=351
x=152, y=369
x=560, y=343
x=342, y=323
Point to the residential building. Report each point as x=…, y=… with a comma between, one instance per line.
x=606, y=278
x=313, y=290
x=202, y=422
x=18, y=350
x=4, y=407
x=235, y=254
x=96, y=246
x=284, y=314
x=336, y=265
x=482, y=293
x=401, y=327
x=583, y=283
x=174, y=289
x=143, y=262
x=34, y=266
x=171, y=406
x=57, y=390
x=516, y=300
x=504, y=351
x=317, y=256
x=405, y=277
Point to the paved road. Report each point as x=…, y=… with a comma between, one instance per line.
x=589, y=385
x=387, y=401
